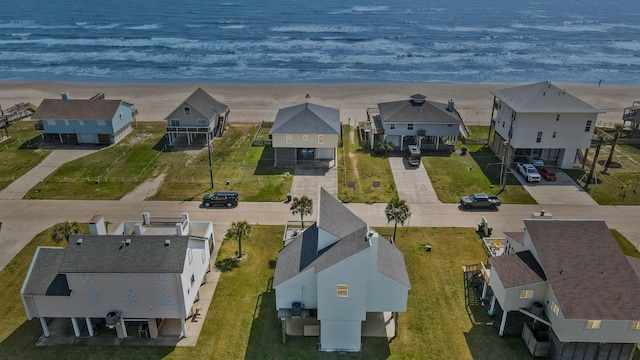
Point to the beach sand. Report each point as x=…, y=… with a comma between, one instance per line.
x=255, y=103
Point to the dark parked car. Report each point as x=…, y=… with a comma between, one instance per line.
x=480, y=200
x=221, y=198
x=547, y=173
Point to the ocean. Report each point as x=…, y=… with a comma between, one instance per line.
x=284, y=41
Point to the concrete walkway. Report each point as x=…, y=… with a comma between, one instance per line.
x=412, y=183
x=18, y=188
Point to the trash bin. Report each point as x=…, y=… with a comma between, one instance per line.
x=288, y=197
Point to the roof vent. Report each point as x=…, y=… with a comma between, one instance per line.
x=79, y=242
x=127, y=242
x=167, y=242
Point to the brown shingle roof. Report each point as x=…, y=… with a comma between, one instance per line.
x=58, y=109
x=517, y=269
x=517, y=236
x=587, y=271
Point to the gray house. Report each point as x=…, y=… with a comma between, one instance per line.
x=337, y=274
x=570, y=291
x=417, y=121
x=199, y=114
x=144, y=276
x=306, y=133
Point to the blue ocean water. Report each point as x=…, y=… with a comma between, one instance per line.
x=253, y=41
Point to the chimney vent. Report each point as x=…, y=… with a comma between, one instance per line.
x=127, y=242
x=79, y=242
x=450, y=105
x=167, y=242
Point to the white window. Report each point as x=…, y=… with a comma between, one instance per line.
x=392, y=126
x=81, y=122
x=190, y=252
x=526, y=294
x=554, y=308
x=635, y=325
x=593, y=324
x=102, y=123
x=558, y=117
x=204, y=256
x=449, y=125
x=539, y=138
x=51, y=122
x=289, y=139
x=66, y=122
x=187, y=111
x=588, y=127
x=320, y=139
x=343, y=290
x=409, y=126
x=202, y=121
x=554, y=135
x=305, y=137
x=175, y=122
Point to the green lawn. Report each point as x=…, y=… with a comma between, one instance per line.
x=247, y=169
x=119, y=168
x=454, y=175
x=358, y=165
x=624, y=174
x=16, y=153
x=478, y=132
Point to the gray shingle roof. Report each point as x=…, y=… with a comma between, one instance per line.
x=205, y=104
x=543, y=97
x=44, y=278
x=307, y=119
x=391, y=263
x=517, y=236
x=58, y=109
x=335, y=217
x=408, y=111
x=107, y=254
x=588, y=273
x=517, y=269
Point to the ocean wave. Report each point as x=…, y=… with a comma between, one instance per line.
x=369, y=8
x=469, y=29
x=29, y=24
x=232, y=27
x=20, y=35
x=318, y=29
x=567, y=26
x=144, y=27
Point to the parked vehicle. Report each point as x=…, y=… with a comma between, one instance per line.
x=221, y=198
x=529, y=172
x=547, y=173
x=480, y=200
x=537, y=162
x=413, y=154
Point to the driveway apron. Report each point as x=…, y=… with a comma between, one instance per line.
x=412, y=183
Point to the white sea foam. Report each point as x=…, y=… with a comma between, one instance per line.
x=232, y=27
x=318, y=29
x=144, y=27
x=369, y=8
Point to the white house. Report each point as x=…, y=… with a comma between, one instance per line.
x=199, y=114
x=417, y=121
x=573, y=286
x=338, y=272
x=541, y=121
x=306, y=133
x=137, y=278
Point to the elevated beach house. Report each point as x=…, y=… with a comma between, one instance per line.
x=335, y=277
x=541, y=121
x=198, y=115
x=142, y=278
x=415, y=121
x=566, y=287
x=306, y=133
x=84, y=121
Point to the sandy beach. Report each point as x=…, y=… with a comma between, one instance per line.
x=254, y=103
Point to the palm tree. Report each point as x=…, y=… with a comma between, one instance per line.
x=618, y=128
x=239, y=230
x=302, y=206
x=63, y=230
x=397, y=211
x=599, y=140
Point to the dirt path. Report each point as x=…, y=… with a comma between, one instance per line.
x=145, y=190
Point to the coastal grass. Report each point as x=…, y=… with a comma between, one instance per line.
x=454, y=175
x=358, y=165
x=18, y=153
x=620, y=184
x=478, y=132
x=237, y=166
x=111, y=172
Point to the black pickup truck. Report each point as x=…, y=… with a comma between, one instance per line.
x=480, y=200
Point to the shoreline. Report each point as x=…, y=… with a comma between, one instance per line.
x=261, y=101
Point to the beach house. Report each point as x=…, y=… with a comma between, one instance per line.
x=337, y=277
x=415, y=121
x=142, y=278
x=567, y=289
x=541, y=121
x=198, y=115
x=84, y=121
x=306, y=133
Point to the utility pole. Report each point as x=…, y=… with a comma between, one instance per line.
x=210, y=164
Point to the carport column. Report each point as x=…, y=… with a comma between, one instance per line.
x=437, y=142
x=60, y=136
x=153, y=328
x=284, y=330
x=492, y=309
x=504, y=321
x=484, y=290
x=184, y=326
x=76, y=329
x=89, y=325
x=45, y=328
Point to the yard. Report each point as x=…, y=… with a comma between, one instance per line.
x=242, y=322
x=359, y=167
x=621, y=183
x=16, y=154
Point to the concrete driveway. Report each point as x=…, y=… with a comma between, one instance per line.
x=308, y=180
x=412, y=183
x=563, y=191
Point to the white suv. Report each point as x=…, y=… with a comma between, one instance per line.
x=529, y=172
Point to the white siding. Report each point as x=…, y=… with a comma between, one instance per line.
x=301, y=288
x=340, y=335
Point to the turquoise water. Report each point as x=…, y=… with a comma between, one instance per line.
x=471, y=41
